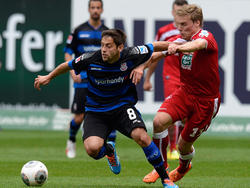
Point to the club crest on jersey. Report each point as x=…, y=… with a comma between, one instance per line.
x=143, y=49
x=124, y=67
x=186, y=61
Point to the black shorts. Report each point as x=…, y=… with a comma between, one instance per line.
x=78, y=105
x=123, y=119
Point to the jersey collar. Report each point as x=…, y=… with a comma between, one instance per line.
x=95, y=28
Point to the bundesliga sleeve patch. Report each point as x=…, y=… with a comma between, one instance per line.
x=69, y=39
x=203, y=33
x=78, y=59
x=143, y=49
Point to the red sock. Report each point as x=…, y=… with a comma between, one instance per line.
x=183, y=165
x=184, y=161
x=161, y=141
x=172, y=137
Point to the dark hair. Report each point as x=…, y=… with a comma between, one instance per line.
x=180, y=2
x=95, y=0
x=117, y=35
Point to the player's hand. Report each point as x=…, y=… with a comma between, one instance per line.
x=41, y=80
x=76, y=78
x=172, y=48
x=137, y=74
x=147, y=86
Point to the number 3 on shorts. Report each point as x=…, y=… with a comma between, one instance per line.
x=194, y=132
x=131, y=113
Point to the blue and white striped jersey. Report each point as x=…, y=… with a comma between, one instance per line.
x=109, y=86
x=84, y=39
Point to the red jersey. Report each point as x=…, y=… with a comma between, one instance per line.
x=199, y=70
x=171, y=70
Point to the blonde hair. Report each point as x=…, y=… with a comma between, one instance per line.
x=193, y=10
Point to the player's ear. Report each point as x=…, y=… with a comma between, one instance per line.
x=197, y=23
x=120, y=47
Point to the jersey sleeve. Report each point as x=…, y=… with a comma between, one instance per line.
x=140, y=54
x=71, y=43
x=81, y=63
x=211, y=43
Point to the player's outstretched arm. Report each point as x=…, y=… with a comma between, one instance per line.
x=160, y=45
x=156, y=56
x=191, y=46
x=45, y=80
x=76, y=78
x=137, y=72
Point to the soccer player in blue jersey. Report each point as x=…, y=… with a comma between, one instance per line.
x=112, y=97
x=85, y=38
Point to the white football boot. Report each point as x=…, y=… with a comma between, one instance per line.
x=71, y=149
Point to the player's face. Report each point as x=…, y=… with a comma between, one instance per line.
x=186, y=26
x=110, y=52
x=95, y=10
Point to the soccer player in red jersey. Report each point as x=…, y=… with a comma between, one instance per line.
x=198, y=98
x=171, y=82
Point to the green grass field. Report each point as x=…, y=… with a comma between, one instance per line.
x=221, y=162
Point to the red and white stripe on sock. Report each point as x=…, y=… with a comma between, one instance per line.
x=185, y=160
x=161, y=141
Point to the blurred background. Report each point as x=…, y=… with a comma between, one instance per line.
x=33, y=35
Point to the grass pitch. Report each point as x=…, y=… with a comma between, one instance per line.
x=220, y=162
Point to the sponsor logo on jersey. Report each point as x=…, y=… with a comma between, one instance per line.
x=109, y=81
x=84, y=35
x=123, y=66
x=91, y=48
x=95, y=68
x=186, y=61
x=204, y=33
x=69, y=39
x=143, y=49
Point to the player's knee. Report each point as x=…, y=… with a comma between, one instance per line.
x=92, y=152
x=92, y=149
x=158, y=125
x=141, y=137
x=143, y=140
x=161, y=122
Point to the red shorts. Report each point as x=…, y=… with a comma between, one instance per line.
x=171, y=75
x=198, y=111
x=170, y=87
